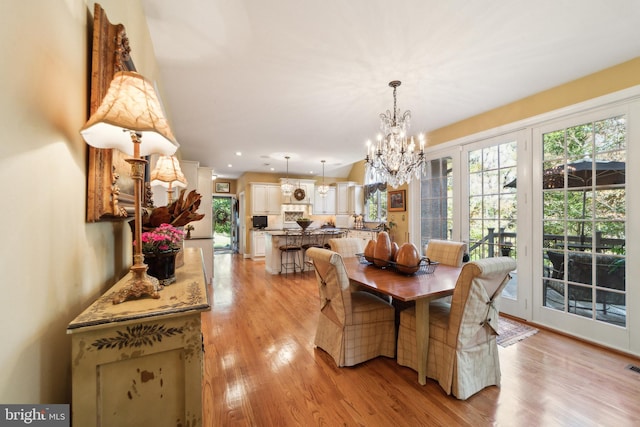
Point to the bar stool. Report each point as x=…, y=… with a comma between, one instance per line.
x=290, y=252
x=314, y=239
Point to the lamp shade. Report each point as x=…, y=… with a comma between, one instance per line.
x=131, y=104
x=167, y=173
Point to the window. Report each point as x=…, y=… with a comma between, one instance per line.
x=436, y=201
x=492, y=201
x=375, y=202
x=584, y=216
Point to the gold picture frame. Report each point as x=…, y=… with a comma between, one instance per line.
x=223, y=187
x=110, y=187
x=396, y=201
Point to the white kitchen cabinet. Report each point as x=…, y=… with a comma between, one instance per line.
x=342, y=197
x=257, y=244
x=265, y=199
x=365, y=235
x=303, y=190
x=356, y=200
x=324, y=205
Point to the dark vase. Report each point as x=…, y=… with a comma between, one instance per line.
x=162, y=266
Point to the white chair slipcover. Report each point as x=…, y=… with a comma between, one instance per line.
x=463, y=354
x=353, y=327
x=446, y=252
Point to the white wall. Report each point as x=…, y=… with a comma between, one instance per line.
x=53, y=263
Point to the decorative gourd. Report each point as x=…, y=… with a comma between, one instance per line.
x=382, y=252
x=369, y=250
x=394, y=250
x=408, y=258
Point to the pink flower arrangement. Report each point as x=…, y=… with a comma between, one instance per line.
x=162, y=239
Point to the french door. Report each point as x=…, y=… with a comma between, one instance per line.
x=580, y=212
x=559, y=197
x=494, y=214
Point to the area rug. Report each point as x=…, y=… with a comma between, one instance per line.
x=511, y=332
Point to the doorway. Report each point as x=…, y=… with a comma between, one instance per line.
x=225, y=224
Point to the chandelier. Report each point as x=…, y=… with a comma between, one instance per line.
x=323, y=189
x=286, y=187
x=394, y=159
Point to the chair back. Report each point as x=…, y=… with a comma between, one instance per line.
x=347, y=246
x=292, y=241
x=333, y=284
x=446, y=252
x=476, y=298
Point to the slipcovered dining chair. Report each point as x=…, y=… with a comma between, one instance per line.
x=353, y=327
x=463, y=354
x=446, y=252
x=349, y=247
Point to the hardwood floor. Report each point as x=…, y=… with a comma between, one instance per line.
x=261, y=369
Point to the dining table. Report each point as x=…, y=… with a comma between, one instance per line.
x=420, y=287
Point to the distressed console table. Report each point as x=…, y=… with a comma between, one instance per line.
x=139, y=363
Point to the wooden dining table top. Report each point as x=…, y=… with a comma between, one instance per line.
x=404, y=287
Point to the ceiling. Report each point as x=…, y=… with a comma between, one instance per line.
x=309, y=79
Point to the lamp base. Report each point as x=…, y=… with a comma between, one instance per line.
x=140, y=284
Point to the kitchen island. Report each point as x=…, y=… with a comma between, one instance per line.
x=275, y=238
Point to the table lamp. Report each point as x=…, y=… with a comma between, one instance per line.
x=168, y=174
x=130, y=118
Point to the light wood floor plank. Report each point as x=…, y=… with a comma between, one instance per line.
x=261, y=369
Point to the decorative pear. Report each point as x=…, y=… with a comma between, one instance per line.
x=394, y=250
x=382, y=252
x=408, y=258
x=369, y=250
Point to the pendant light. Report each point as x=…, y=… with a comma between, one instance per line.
x=286, y=187
x=323, y=189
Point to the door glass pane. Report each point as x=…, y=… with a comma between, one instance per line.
x=492, y=205
x=436, y=200
x=584, y=219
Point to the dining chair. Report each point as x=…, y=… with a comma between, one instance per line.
x=353, y=327
x=446, y=252
x=463, y=354
x=350, y=247
x=347, y=246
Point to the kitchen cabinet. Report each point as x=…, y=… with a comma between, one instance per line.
x=365, y=235
x=302, y=191
x=342, y=197
x=266, y=199
x=140, y=362
x=324, y=205
x=257, y=244
x=356, y=200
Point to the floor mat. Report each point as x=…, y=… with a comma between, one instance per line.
x=511, y=332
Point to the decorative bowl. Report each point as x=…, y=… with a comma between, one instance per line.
x=304, y=223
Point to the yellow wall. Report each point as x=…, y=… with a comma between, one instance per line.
x=610, y=80
x=53, y=263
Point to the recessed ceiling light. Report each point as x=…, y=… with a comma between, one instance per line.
x=238, y=153
x=229, y=165
x=272, y=169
